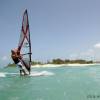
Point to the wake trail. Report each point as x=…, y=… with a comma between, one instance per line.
x=33, y=73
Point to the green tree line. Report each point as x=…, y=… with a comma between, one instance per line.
x=67, y=61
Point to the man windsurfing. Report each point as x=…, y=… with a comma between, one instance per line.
x=16, y=57
x=22, y=55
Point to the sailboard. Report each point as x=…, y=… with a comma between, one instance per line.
x=24, y=45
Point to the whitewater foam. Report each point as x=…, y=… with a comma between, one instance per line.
x=2, y=74
x=35, y=73
x=42, y=73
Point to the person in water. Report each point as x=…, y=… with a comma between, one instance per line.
x=16, y=57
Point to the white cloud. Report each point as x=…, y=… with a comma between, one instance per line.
x=89, y=52
x=4, y=58
x=97, y=45
x=73, y=56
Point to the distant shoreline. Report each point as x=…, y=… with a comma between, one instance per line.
x=59, y=65
x=59, y=62
x=62, y=65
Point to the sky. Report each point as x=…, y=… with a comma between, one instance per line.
x=66, y=29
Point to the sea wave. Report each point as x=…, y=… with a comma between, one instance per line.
x=41, y=73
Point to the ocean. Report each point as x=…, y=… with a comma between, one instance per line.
x=57, y=83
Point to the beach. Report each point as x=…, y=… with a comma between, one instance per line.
x=62, y=65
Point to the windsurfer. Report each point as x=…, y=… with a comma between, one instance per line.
x=16, y=57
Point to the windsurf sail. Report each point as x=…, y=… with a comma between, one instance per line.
x=24, y=45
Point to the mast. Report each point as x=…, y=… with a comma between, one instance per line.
x=29, y=42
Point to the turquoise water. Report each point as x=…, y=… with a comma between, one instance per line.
x=67, y=83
